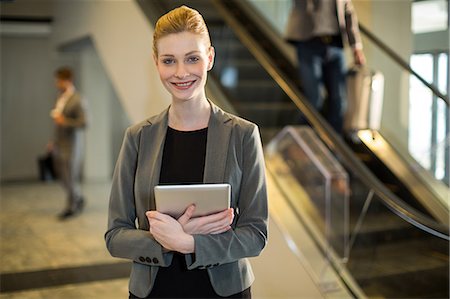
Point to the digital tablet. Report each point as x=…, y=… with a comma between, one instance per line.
x=208, y=198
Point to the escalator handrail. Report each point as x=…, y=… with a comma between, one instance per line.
x=400, y=61
x=325, y=131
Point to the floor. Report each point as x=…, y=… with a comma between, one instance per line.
x=42, y=257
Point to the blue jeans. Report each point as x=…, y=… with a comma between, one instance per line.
x=323, y=65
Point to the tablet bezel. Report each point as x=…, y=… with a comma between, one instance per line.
x=208, y=198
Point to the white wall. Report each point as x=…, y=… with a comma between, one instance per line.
x=107, y=120
x=122, y=37
x=27, y=96
x=116, y=67
x=117, y=70
x=95, y=86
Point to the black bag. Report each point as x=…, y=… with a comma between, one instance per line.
x=46, y=167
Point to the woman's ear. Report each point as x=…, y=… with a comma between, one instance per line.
x=155, y=59
x=211, y=55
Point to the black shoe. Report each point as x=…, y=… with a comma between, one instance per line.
x=66, y=214
x=80, y=205
x=72, y=212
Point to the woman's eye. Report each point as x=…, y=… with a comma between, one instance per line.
x=193, y=59
x=168, y=61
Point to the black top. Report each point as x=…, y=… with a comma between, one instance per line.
x=183, y=162
x=183, y=159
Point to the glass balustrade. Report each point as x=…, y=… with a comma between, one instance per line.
x=387, y=256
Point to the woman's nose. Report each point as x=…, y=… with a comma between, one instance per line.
x=181, y=71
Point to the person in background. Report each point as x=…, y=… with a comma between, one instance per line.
x=192, y=141
x=69, y=117
x=319, y=29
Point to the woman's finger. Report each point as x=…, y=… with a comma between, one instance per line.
x=157, y=215
x=219, y=225
x=187, y=215
x=221, y=230
x=217, y=217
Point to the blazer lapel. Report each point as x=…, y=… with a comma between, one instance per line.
x=152, y=145
x=151, y=149
x=219, y=132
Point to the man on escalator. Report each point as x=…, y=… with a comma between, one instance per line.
x=319, y=29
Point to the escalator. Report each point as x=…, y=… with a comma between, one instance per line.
x=393, y=247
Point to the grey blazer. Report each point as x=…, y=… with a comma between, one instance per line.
x=70, y=135
x=301, y=23
x=234, y=155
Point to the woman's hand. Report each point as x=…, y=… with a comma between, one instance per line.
x=177, y=235
x=169, y=232
x=211, y=224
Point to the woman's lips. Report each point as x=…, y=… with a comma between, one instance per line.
x=183, y=85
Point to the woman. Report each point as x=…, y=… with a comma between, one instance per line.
x=193, y=141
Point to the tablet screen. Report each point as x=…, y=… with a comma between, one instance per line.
x=208, y=198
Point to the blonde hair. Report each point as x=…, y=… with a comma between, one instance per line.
x=180, y=19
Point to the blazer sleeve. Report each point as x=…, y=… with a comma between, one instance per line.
x=123, y=238
x=248, y=236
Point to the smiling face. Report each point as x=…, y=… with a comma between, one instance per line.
x=183, y=60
